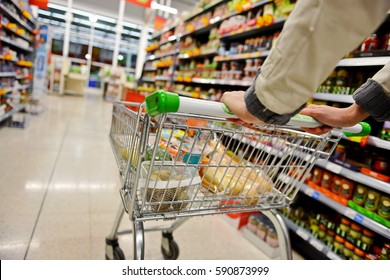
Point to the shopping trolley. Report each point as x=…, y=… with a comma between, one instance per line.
x=180, y=157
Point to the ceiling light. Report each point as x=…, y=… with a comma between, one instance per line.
x=93, y=18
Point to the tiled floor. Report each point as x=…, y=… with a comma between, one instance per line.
x=59, y=192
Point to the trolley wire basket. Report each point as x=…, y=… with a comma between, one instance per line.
x=178, y=165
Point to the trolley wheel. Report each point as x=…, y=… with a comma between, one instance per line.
x=113, y=251
x=169, y=248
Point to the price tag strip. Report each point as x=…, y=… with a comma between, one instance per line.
x=335, y=168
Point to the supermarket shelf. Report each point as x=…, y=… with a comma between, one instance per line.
x=355, y=176
x=18, y=7
x=164, y=66
x=183, y=93
x=169, y=40
x=154, y=57
x=202, y=30
x=25, y=63
x=6, y=90
x=150, y=69
x=273, y=253
x=16, y=17
x=146, y=89
x=157, y=35
x=217, y=20
x=372, y=53
x=364, y=61
x=202, y=55
x=205, y=9
x=8, y=41
x=243, y=56
x=333, y=97
x=162, y=78
x=21, y=36
x=149, y=80
x=346, y=211
x=377, y=142
x=256, y=5
x=11, y=60
x=254, y=32
x=10, y=113
x=317, y=244
x=7, y=74
x=22, y=87
x=222, y=82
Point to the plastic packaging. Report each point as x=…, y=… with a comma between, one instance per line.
x=336, y=185
x=372, y=201
x=360, y=195
x=344, y=227
x=317, y=175
x=327, y=178
x=366, y=240
x=354, y=233
x=347, y=188
x=338, y=244
x=384, y=207
x=358, y=254
x=348, y=250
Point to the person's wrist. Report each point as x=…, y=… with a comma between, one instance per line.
x=356, y=114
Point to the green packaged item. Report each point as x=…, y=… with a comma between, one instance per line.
x=366, y=240
x=360, y=195
x=161, y=154
x=372, y=201
x=354, y=233
x=384, y=207
x=385, y=252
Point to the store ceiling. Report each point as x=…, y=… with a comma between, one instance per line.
x=133, y=13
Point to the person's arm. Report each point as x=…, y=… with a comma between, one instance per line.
x=374, y=95
x=372, y=98
x=315, y=37
x=334, y=117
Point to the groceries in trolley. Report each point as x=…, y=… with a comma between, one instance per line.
x=186, y=168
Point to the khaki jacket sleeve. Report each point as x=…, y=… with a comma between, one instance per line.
x=317, y=34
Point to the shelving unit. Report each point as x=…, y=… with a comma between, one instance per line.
x=355, y=176
x=16, y=17
x=344, y=210
x=333, y=97
x=222, y=82
x=364, y=61
x=314, y=242
x=277, y=25
x=11, y=112
x=16, y=55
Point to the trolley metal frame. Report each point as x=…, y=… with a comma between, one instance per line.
x=238, y=169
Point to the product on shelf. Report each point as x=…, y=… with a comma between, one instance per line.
x=365, y=200
x=343, y=236
x=344, y=81
x=385, y=132
x=260, y=225
x=16, y=46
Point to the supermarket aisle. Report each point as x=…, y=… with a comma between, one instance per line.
x=59, y=192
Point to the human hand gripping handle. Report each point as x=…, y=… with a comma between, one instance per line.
x=166, y=102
